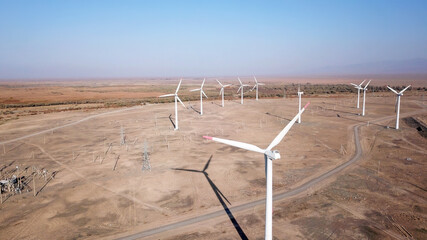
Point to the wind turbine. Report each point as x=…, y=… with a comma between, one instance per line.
x=176, y=105
x=241, y=90
x=222, y=90
x=201, y=95
x=358, y=87
x=299, y=102
x=256, y=86
x=397, y=106
x=364, y=96
x=269, y=156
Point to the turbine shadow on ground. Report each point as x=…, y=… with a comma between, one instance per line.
x=197, y=111
x=173, y=124
x=219, y=195
x=217, y=104
x=340, y=111
x=273, y=115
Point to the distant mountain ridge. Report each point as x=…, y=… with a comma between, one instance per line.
x=410, y=66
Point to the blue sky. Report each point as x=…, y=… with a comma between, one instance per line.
x=113, y=39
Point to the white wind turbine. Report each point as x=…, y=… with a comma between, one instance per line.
x=222, y=90
x=364, y=96
x=176, y=105
x=241, y=90
x=201, y=95
x=299, y=102
x=397, y=106
x=269, y=156
x=358, y=87
x=256, y=86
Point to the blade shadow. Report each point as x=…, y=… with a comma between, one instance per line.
x=219, y=195
x=340, y=111
x=376, y=124
x=273, y=115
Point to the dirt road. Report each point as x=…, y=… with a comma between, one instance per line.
x=280, y=196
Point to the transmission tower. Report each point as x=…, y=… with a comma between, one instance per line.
x=146, y=159
x=122, y=136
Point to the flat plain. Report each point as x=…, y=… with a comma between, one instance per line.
x=94, y=186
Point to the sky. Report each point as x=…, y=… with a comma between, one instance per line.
x=131, y=39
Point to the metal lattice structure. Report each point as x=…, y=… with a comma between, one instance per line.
x=146, y=166
x=122, y=136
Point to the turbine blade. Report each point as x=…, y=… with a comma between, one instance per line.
x=367, y=84
x=253, y=88
x=392, y=90
x=222, y=90
x=168, y=95
x=362, y=82
x=261, y=83
x=404, y=89
x=203, y=83
x=204, y=94
x=282, y=134
x=180, y=101
x=179, y=85
x=239, y=80
x=239, y=88
x=227, y=85
x=219, y=83
x=193, y=90
x=255, y=79
x=246, y=146
x=354, y=85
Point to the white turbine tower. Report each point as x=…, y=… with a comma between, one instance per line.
x=176, y=105
x=222, y=90
x=397, y=106
x=358, y=87
x=241, y=90
x=201, y=95
x=299, y=102
x=256, y=86
x=364, y=96
x=269, y=156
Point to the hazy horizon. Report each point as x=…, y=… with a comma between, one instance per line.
x=166, y=39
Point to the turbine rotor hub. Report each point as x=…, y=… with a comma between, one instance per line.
x=273, y=155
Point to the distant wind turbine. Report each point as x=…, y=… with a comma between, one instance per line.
x=176, y=105
x=221, y=92
x=256, y=86
x=358, y=87
x=364, y=96
x=241, y=90
x=299, y=102
x=201, y=95
x=397, y=106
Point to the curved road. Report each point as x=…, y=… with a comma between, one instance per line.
x=276, y=197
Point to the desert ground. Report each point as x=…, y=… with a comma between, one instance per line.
x=90, y=185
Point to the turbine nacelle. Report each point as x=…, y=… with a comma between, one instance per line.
x=273, y=155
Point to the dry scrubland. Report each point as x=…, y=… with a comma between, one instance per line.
x=382, y=196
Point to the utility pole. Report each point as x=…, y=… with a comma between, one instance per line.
x=34, y=185
x=146, y=166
